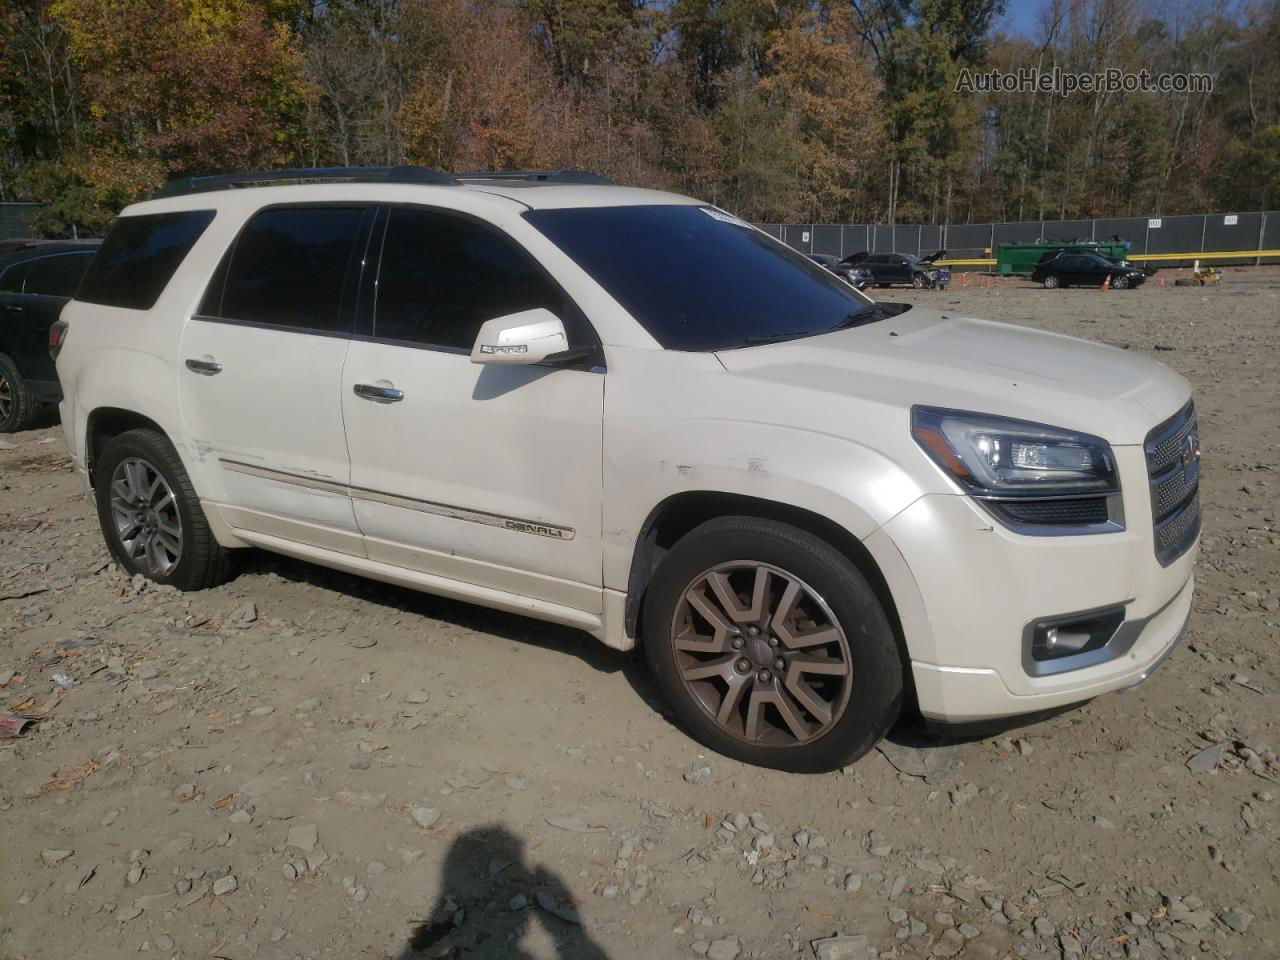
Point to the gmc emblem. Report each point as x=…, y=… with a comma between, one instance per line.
x=1190, y=449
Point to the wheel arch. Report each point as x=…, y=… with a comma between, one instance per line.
x=681, y=512
x=104, y=424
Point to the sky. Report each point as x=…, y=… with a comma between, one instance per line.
x=1021, y=17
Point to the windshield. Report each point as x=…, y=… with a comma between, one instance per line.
x=699, y=279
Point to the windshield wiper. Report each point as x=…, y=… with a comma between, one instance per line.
x=877, y=311
x=776, y=337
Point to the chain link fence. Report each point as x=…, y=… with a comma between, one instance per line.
x=1216, y=238
x=14, y=220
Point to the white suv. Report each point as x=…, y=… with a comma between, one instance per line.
x=632, y=413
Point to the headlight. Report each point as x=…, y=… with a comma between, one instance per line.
x=998, y=456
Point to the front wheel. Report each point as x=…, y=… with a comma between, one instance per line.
x=918, y=282
x=771, y=647
x=150, y=515
x=1120, y=283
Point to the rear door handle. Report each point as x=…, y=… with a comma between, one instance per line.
x=206, y=368
x=371, y=391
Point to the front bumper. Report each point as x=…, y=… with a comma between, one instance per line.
x=964, y=695
x=966, y=589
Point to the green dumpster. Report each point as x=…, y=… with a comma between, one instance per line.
x=1021, y=258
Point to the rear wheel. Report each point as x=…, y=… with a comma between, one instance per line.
x=770, y=646
x=150, y=515
x=1051, y=281
x=18, y=408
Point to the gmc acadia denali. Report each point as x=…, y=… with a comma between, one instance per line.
x=632, y=413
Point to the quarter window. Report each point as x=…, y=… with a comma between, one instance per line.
x=139, y=256
x=291, y=267
x=58, y=275
x=442, y=276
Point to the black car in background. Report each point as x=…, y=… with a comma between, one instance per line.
x=857, y=276
x=36, y=279
x=1065, y=268
x=904, y=268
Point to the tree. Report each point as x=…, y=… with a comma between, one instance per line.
x=221, y=86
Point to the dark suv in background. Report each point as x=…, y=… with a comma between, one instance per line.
x=903, y=268
x=36, y=279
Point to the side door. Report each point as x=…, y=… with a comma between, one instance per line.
x=51, y=280
x=262, y=371
x=899, y=269
x=1069, y=269
x=489, y=475
x=876, y=264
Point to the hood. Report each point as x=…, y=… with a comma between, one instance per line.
x=933, y=256
x=853, y=259
x=927, y=357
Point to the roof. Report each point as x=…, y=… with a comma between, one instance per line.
x=15, y=251
x=529, y=189
x=495, y=198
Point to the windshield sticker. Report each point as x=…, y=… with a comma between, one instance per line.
x=723, y=217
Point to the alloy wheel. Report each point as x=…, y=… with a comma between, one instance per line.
x=6, y=398
x=145, y=512
x=762, y=654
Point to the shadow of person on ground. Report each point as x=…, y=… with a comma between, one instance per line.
x=485, y=866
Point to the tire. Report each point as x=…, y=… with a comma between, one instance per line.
x=917, y=281
x=1120, y=283
x=18, y=408
x=130, y=464
x=1051, y=281
x=832, y=600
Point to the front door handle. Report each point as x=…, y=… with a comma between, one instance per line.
x=371, y=391
x=206, y=368
x=14, y=307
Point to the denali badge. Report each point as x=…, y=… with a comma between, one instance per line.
x=541, y=529
x=504, y=348
x=1190, y=449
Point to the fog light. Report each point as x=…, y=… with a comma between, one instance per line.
x=1077, y=633
x=1050, y=641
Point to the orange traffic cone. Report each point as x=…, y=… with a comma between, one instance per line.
x=964, y=279
x=1161, y=281
x=1106, y=284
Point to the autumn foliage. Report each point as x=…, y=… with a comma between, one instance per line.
x=816, y=110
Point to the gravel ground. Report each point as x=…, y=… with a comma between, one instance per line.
x=302, y=764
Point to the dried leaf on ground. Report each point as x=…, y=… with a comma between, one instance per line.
x=65, y=781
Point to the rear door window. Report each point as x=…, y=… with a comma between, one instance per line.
x=58, y=275
x=442, y=276
x=293, y=267
x=139, y=256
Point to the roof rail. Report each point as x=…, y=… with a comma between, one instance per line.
x=537, y=176
x=229, y=181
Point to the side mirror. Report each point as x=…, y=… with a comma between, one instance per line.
x=530, y=336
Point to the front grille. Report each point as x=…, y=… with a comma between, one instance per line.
x=1076, y=513
x=1173, y=465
